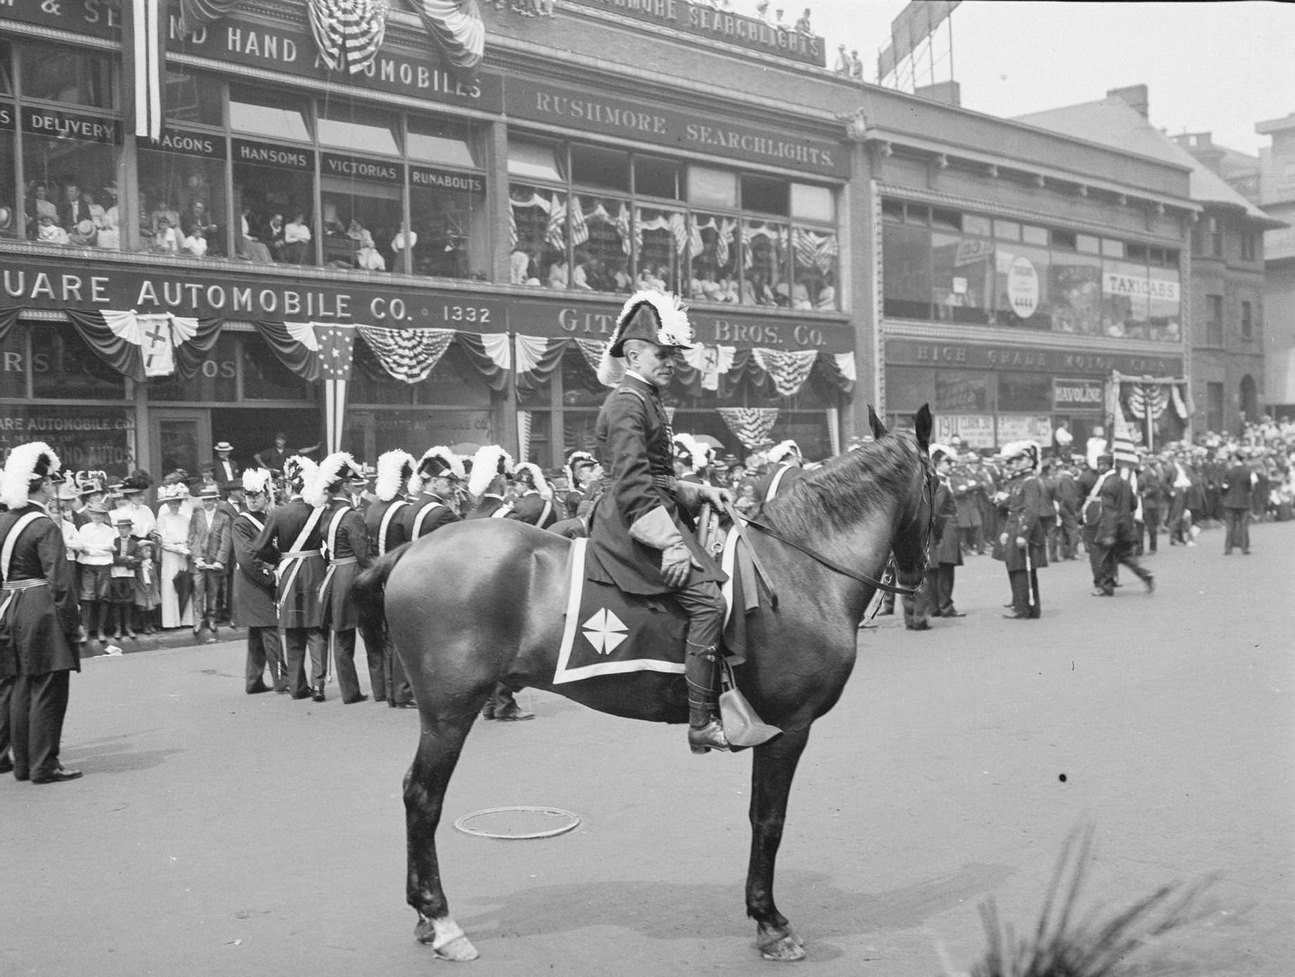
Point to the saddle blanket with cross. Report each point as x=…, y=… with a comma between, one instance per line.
x=607, y=632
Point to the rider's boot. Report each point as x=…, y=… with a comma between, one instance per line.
x=702, y=671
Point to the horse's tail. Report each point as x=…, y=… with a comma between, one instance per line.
x=368, y=592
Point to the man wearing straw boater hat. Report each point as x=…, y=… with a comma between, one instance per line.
x=253, y=590
x=346, y=547
x=637, y=539
x=291, y=542
x=39, y=620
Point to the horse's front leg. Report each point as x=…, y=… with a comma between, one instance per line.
x=425, y=783
x=772, y=771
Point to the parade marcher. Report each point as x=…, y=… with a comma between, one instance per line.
x=39, y=620
x=210, y=548
x=253, y=589
x=173, y=538
x=121, y=579
x=637, y=538
x=386, y=522
x=291, y=543
x=533, y=501
x=346, y=548
x=584, y=475
x=1116, y=532
x=1022, y=505
x=785, y=465
x=491, y=466
x=95, y=542
x=1151, y=489
x=1238, y=482
x=439, y=472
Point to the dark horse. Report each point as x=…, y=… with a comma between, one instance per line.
x=502, y=620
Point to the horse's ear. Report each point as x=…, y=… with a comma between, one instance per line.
x=878, y=429
x=924, y=425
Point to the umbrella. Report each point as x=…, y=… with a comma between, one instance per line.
x=183, y=584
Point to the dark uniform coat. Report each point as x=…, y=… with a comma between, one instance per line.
x=387, y=525
x=1236, y=487
x=299, y=576
x=38, y=626
x=534, y=509
x=490, y=507
x=253, y=600
x=945, y=546
x=1118, y=503
x=635, y=444
x=347, y=542
x=426, y=514
x=1022, y=514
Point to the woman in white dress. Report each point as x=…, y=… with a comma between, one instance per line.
x=173, y=528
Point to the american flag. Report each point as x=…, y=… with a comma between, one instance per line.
x=579, y=228
x=557, y=230
x=348, y=32
x=336, y=351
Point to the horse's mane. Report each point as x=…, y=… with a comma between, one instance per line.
x=846, y=489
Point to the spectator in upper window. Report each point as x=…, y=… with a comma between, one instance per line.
x=253, y=248
x=166, y=238
x=802, y=25
x=274, y=237
x=49, y=232
x=856, y=65
x=404, y=240
x=197, y=217
x=296, y=239
x=195, y=243
x=39, y=206
x=842, y=60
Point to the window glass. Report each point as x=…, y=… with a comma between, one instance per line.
x=65, y=368
x=714, y=255
x=71, y=191
x=813, y=203
x=182, y=201
x=975, y=224
x=1125, y=300
x=1088, y=244
x=451, y=222
x=962, y=391
x=605, y=169
x=712, y=188
x=454, y=380
x=906, y=273
x=602, y=235
x=892, y=210
x=814, y=268
x=661, y=240
x=6, y=68
x=13, y=359
x=11, y=223
x=194, y=97
x=766, y=195
x=1112, y=249
x=1007, y=230
x=963, y=275
x=351, y=126
x=67, y=75
x=279, y=115
x=1075, y=284
x=909, y=387
x=276, y=203
x=360, y=223
x=1021, y=286
x=534, y=161
x=532, y=253
x=264, y=376
x=764, y=264
x=1034, y=235
x=1024, y=392
x=215, y=381
x=658, y=178
x=446, y=143
x=946, y=220
x=1165, y=307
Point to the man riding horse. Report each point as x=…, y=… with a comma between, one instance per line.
x=640, y=539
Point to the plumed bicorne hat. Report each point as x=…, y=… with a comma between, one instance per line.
x=537, y=477
x=437, y=462
x=781, y=450
x=298, y=471
x=488, y=463
x=25, y=468
x=333, y=471
x=395, y=469
x=256, y=481
x=1021, y=449
x=652, y=315
x=699, y=454
x=941, y=451
x=577, y=460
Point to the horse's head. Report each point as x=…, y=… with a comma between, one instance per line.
x=914, y=525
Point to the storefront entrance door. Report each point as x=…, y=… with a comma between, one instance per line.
x=180, y=439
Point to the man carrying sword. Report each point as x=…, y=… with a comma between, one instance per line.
x=292, y=543
x=1022, y=505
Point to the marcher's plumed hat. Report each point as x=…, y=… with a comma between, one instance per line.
x=256, y=481
x=26, y=466
x=939, y=452
x=298, y=471
x=577, y=460
x=781, y=450
x=488, y=463
x=537, y=477
x=332, y=472
x=651, y=315
x=440, y=461
x=1021, y=449
x=394, y=471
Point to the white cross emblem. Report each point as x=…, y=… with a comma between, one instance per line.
x=605, y=631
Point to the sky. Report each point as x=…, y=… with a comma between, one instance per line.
x=1210, y=67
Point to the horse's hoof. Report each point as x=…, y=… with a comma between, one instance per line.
x=446, y=939
x=786, y=947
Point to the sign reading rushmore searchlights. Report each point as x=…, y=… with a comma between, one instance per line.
x=704, y=20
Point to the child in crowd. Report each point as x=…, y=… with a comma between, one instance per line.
x=148, y=593
x=95, y=540
x=121, y=582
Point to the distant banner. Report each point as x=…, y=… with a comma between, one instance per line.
x=914, y=24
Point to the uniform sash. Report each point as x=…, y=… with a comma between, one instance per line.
x=6, y=553
x=285, y=579
x=386, y=523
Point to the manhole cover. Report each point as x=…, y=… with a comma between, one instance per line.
x=517, y=823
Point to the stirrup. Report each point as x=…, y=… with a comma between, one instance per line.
x=709, y=737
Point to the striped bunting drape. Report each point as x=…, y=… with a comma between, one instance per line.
x=457, y=29
x=789, y=369
x=348, y=32
x=197, y=13
x=409, y=355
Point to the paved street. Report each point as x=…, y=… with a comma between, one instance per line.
x=220, y=834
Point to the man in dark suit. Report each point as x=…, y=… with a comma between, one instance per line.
x=291, y=542
x=209, y=554
x=638, y=540
x=253, y=590
x=1238, y=483
x=274, y=458
x=39, y=621
x=225, y=470
x=944, y=551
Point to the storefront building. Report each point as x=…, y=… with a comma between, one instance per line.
x=410, y=255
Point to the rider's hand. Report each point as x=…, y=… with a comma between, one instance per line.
x=1002, y=539
x=676, y=564
x=1020, y=542
x=719, y=497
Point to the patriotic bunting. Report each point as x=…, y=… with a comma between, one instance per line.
x=751, y=425
x=456, y=28
x=198, y=13
x=788, y=370
x=408, y=355
x=710, y=362
x=147, y=55
x=556, y=234
x=348, y=32
x=579, y=227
